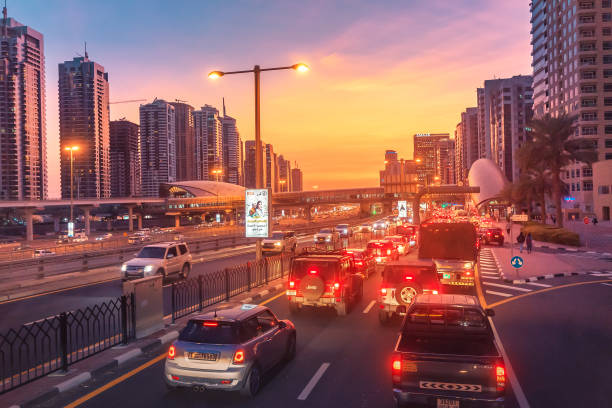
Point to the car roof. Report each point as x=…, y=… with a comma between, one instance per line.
x=447, y=300
x=230, y=313
x=419, y=263
x=164, y=244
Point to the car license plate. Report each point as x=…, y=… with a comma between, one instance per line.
x=203, y=356
x=447, y=403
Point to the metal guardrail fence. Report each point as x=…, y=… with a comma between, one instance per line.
x=51, y=344
x=194, y=294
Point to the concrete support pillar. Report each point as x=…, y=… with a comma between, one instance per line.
x=28, y=214
x=86, y=213
x=387, y=207
x=308, y=212
x=130, y=220
x=177, y=221
x=365, y=209
x=56, y=224
x=139, y=218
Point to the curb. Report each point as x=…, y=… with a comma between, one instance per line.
x=542, y=277
x=125, y=357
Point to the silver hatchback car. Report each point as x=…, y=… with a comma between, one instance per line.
x=229, y=349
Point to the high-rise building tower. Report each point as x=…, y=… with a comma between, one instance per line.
x=23, y=162
x=445, y=161
x=249, y=163
x=399, y=175
x=84, y=122
x=508, y=108
x=270, y=169
x=467, y=144
x=284, y=174
x=297, y=179
x=232, y=150
x=125, y=158
x=572, y=73
x=209, y=142
x=157, y=146
x=185, y=141
x=425, y=145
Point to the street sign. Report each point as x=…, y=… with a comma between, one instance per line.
x=71, y=229
x=516, y=261
x=586, y=220
x=256, y=213
x=402, y=209
x=520, y=217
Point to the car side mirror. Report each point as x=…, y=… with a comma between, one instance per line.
x=282, y=324
x=490, y=312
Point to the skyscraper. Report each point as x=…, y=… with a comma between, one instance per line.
x=249, y=163
x=270, y=169
x=209, y=142
x=84, y=122
x=445, y=161
x=467, y=143
x=23, y=162
x=232, y=150
x=284, y=174
x=572, y=73
x=157, y=146
x=185, y=141
x=297, y=179
x=425, y=145
x=508, y=108
x=125, y=158
x=399, y=176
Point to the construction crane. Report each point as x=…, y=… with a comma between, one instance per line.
x=128, y=101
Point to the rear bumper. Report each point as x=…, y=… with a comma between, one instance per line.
x=178, y=377
x=425, y=399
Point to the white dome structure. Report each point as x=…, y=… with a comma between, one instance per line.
x=485, y=174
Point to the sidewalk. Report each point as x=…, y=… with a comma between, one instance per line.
x=92, y=367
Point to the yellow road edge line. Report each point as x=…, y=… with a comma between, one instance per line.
x=115, y=381
x=481, y=298
x=51, y=292
x=135, y=371
x=568, y=285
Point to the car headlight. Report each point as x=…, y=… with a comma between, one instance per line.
x=148, y=268
x=277, y=244
x=328, y=239
x=123, y=268
x=467, y=265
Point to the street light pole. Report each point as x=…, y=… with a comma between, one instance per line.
x=72, y=149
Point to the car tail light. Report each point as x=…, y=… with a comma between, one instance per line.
x=239, y=357
x=468, y=273
x=175, y=378
x=171, y=353
x=388, y=252
x=397, y=365
x=500, y=374
x=313, y=271
x=408, y=277
x=211, y=324
x=435, y=292
x=336, y=286
x=291, y=284
x=383, y=291
x=396, y=369
x=359, y=263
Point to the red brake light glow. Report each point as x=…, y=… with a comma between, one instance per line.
x=239, y=357
x=500, y=374
x=358, y=263
x=383, y=291
x=171, y=353
x=336, y=285
x=291, y=284
x=388, y=252
x=397, y=365
x=313, y=271
x=211, y=324
x=408, y=277
x=435, y=292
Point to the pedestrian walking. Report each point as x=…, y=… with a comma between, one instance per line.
x=508, y=226
x=529, y=242
x=595, y=221
x=521, y=240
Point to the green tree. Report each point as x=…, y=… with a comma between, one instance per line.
x=556, y=149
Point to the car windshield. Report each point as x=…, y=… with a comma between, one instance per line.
x=152, y=252
x=200, y=331
x=325, y=231
x=323, y=268
x=278, y=235
x=342, y=226
x=398, y=273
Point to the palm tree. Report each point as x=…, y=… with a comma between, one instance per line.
x=553, y=144
x=534, y=175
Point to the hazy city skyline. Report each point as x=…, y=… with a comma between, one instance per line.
x=388, y=84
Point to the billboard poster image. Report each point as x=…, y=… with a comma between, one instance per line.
x=256, y=213
x=402, y=209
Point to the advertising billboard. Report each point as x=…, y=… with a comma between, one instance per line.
x=256, y=213
x=402, y=209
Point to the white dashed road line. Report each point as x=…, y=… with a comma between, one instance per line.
x=369, y=306
x=313, y=382
x=542, y=285
x=507, y=287
x=491, y=292
x=607, y=284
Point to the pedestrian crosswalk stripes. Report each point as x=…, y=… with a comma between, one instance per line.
x=491, y=292
x=499, y=285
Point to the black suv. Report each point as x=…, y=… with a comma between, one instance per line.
x=323, y=280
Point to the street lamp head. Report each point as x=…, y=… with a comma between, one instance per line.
x=301, y=67
x=71, y=148
x=418, y=160
x=215, y=75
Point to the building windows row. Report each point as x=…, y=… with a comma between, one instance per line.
x=603, y=189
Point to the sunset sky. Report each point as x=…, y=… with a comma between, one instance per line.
x=380, y=70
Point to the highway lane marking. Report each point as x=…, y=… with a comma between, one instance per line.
x=501, y=302
x=490, y=277
x=516, y=387
x=138, y=369
x=313, y=382
x=491, y=292
x=542, y=285
x=369, y=306
x=506, y=286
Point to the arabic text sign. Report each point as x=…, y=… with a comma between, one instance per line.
x=256, y=213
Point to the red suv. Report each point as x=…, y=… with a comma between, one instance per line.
x=490, y=235
x=383, y=251
x=363, y=262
